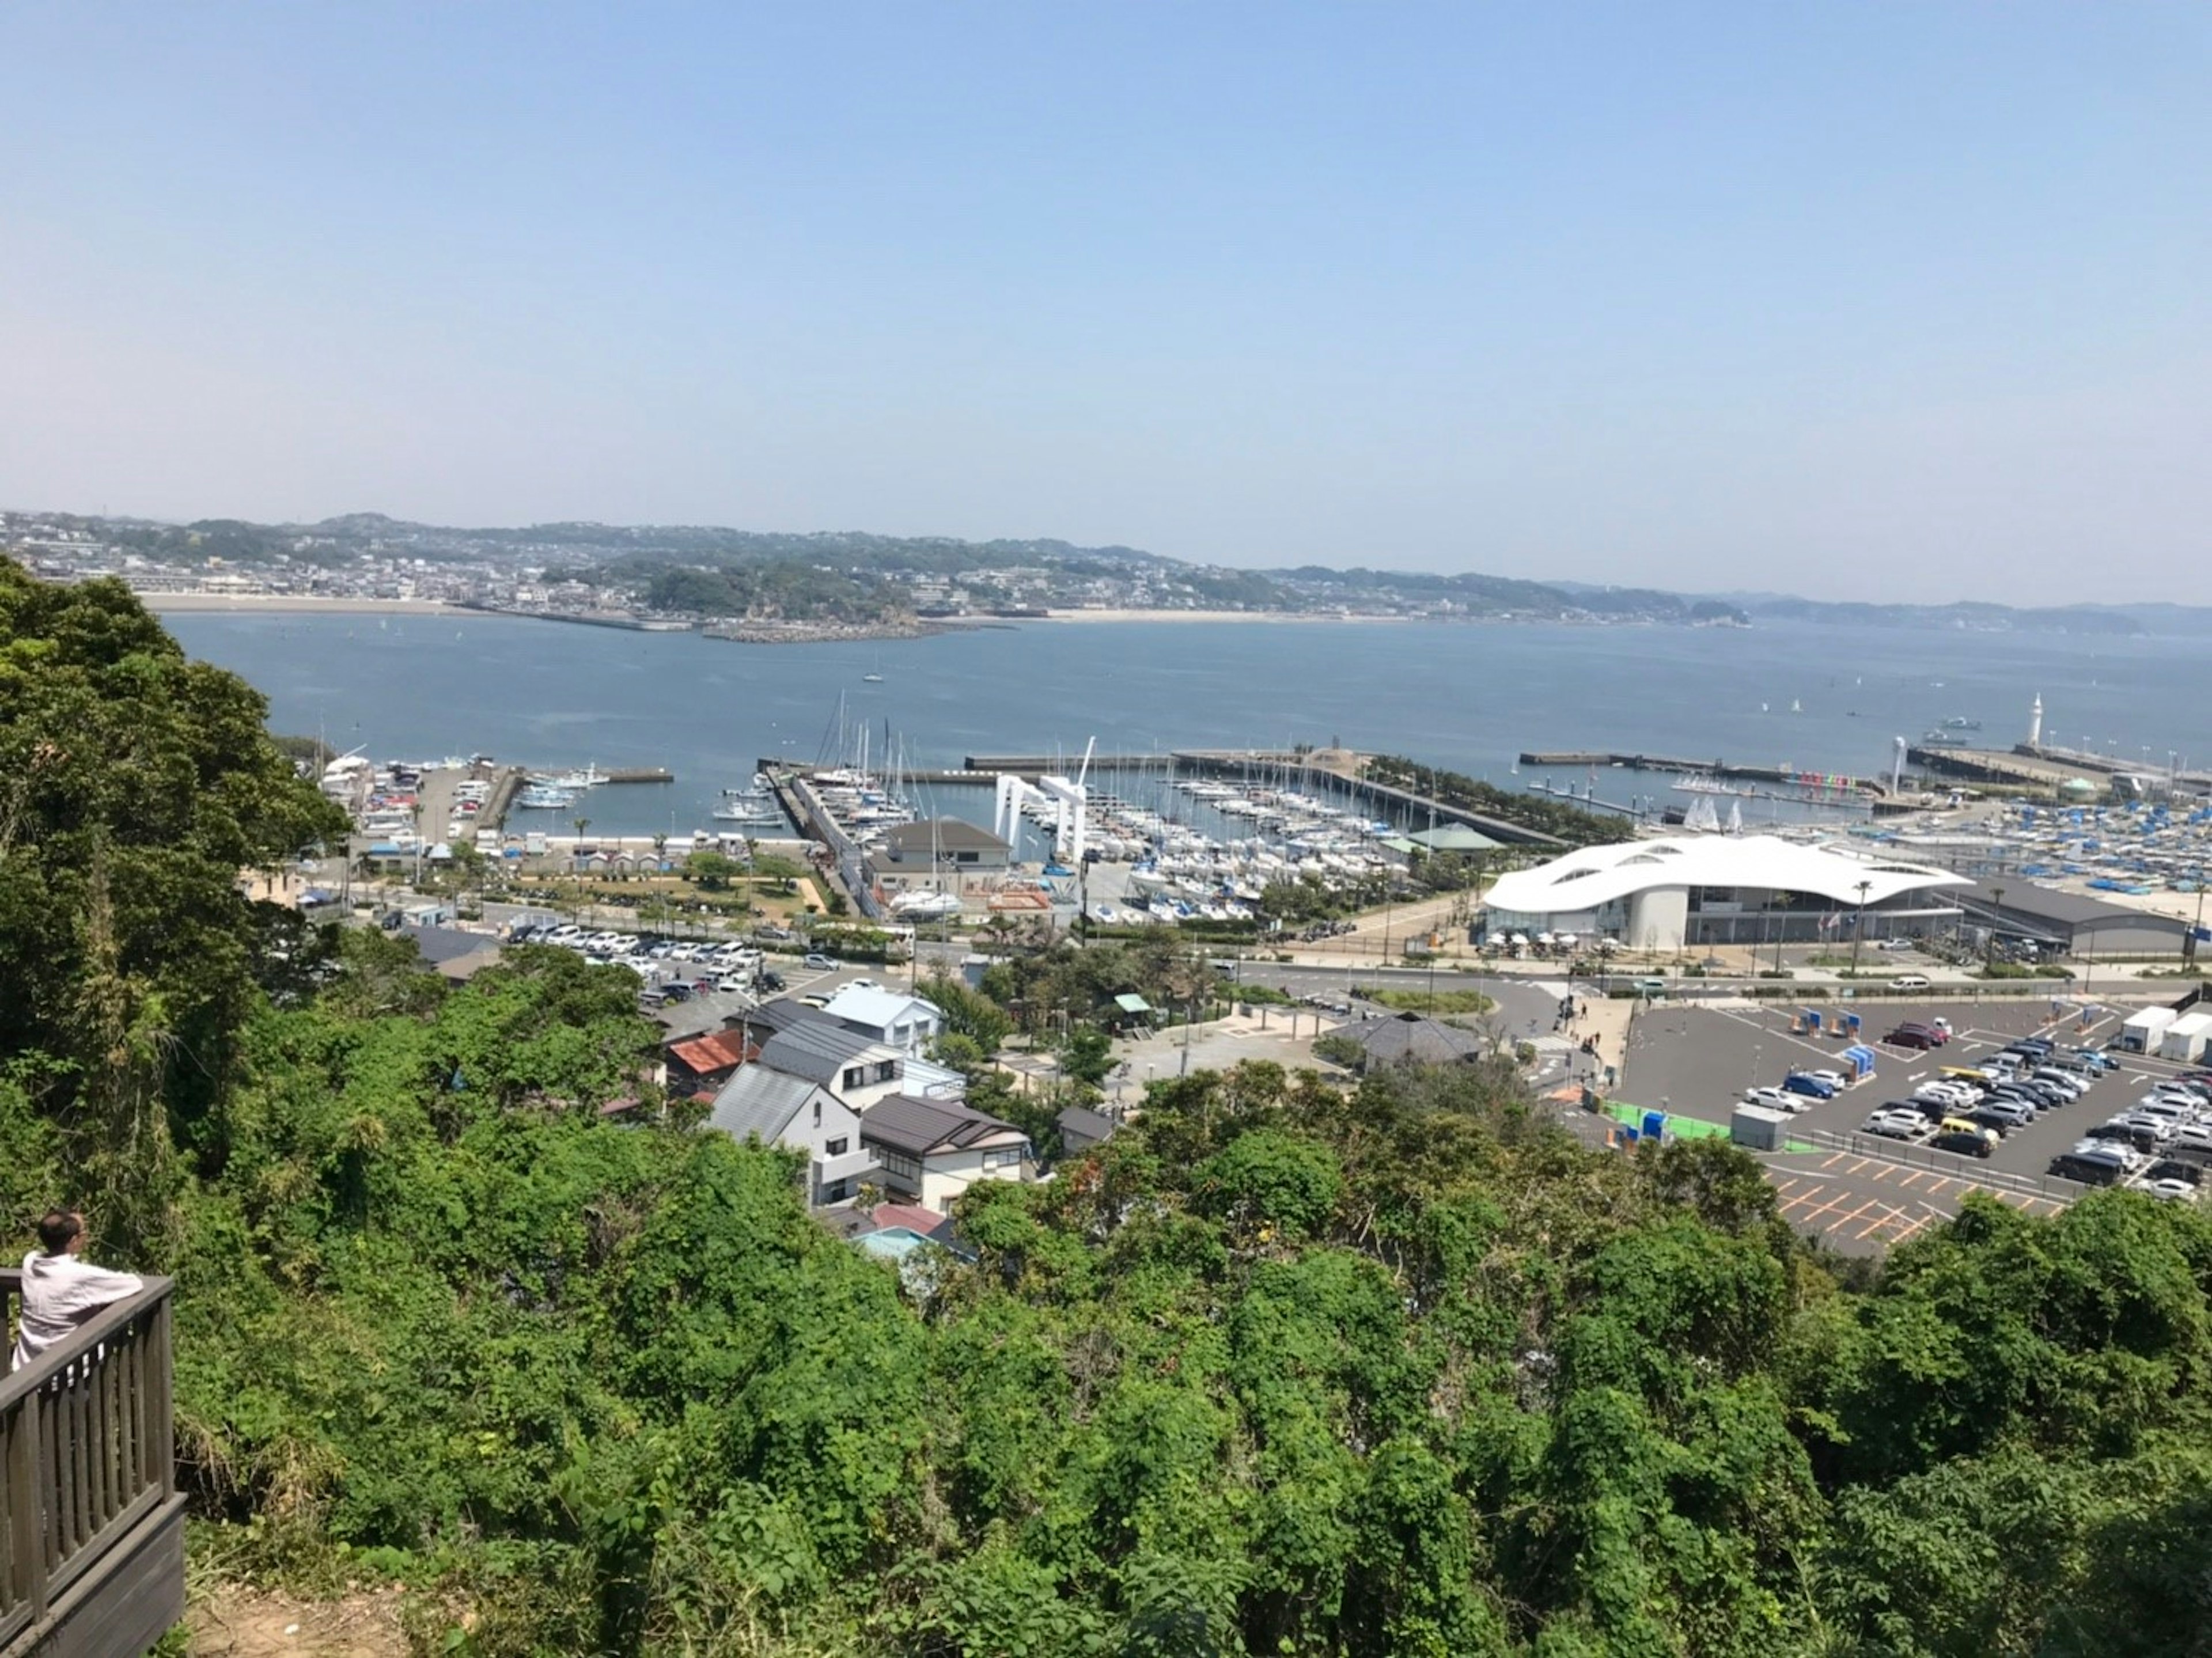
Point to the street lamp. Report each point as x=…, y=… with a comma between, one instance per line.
x=1996, y=912
x=1858, y=925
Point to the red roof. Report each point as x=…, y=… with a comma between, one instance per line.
x=719, y=1052
x=913, y=1216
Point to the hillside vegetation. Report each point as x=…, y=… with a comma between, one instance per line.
x=1282, y=1369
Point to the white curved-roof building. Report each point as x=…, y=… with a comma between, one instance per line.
x=1721, y=889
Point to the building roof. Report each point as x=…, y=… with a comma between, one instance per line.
x=1132, y=1003
x=1080, y=1127
x=759, y=1101
x=912, y=1216
x=818, y=1053
x=924, y=1128
x=439, y=945
x=1417, y=1039
x=944, y=835
x=879, y=1009
x=1595, y=876
x=2079, y=910
x=718, y=1052
x=1453, y=837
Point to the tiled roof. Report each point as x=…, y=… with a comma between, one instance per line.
x=921, y=1127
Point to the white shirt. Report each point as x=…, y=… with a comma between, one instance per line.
x=59, y=1293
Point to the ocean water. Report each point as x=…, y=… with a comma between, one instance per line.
x=1462, y=697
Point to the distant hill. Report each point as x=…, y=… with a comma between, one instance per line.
x=644, y=558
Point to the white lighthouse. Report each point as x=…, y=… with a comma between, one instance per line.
x=2035, y=723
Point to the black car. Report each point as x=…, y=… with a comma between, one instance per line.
x=1969, y=1145
x=1982, y=1117
x=771, y=979
x=2089, y=1173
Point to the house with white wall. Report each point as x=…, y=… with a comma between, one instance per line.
x=760, y=1104
x=932, y=1150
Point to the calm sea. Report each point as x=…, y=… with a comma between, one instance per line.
x=1462, y=697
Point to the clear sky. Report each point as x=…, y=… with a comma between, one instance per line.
x=1893, y=301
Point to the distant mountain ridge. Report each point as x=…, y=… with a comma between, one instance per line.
x=640, y=555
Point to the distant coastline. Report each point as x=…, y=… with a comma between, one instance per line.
x=1215, y=616
x=297, y=604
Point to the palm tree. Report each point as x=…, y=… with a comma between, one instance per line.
x=581, y=823
x=659, y=852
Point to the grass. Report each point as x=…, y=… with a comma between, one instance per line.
x=1409, y=1000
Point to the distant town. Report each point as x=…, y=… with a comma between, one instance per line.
x=760, y=586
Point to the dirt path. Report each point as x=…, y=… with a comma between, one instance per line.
x=233, y=1622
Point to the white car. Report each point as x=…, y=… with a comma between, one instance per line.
x=1897, y=1125
x=1775, y=1099
x=2173, y=1191
x=1835, y=1079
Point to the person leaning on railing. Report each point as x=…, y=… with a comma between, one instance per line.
x=60, y=1290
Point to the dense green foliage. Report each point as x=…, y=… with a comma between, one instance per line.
x=1568, y=823
x=1282, y=1368
x=784, y=589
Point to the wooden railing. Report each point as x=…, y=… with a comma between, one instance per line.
x=90, y=1521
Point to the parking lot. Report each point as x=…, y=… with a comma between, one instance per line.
x=1861, y=1190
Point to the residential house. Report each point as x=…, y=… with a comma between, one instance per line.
x=823, y=1048
x=777, y=1109
x=701, y=1065
x=907, y=1023
x=1081, y=1128
x=932, y=1150
x=858, y=1070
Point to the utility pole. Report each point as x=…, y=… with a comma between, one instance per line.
x=1858, y=925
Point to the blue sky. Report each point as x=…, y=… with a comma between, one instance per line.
x=1854, y=300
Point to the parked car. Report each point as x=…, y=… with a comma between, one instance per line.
x=1835, y=1079
x=1906, y=1036
x=1909, y=981
x=1775, y=1099
x=1812, y=1087
x=1896, y=1125
x=1989, y=1116
x=815, y=958
x=2089, y=1170
x=2172, y=1190
x=1966, y=1142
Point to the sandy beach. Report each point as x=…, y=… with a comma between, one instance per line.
x=273, y=603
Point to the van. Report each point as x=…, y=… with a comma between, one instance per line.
x=1653, y=987
x=1957, y=1126
x=1909, y=981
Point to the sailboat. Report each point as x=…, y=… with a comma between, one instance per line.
x=876, y=677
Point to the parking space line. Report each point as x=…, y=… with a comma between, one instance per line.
x=1917, y=1175
x=1889, y=1217
x=1860, y=1164
x=1834, y=1158
x=1839, y=1198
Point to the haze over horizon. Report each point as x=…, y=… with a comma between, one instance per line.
x=1839, y=301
